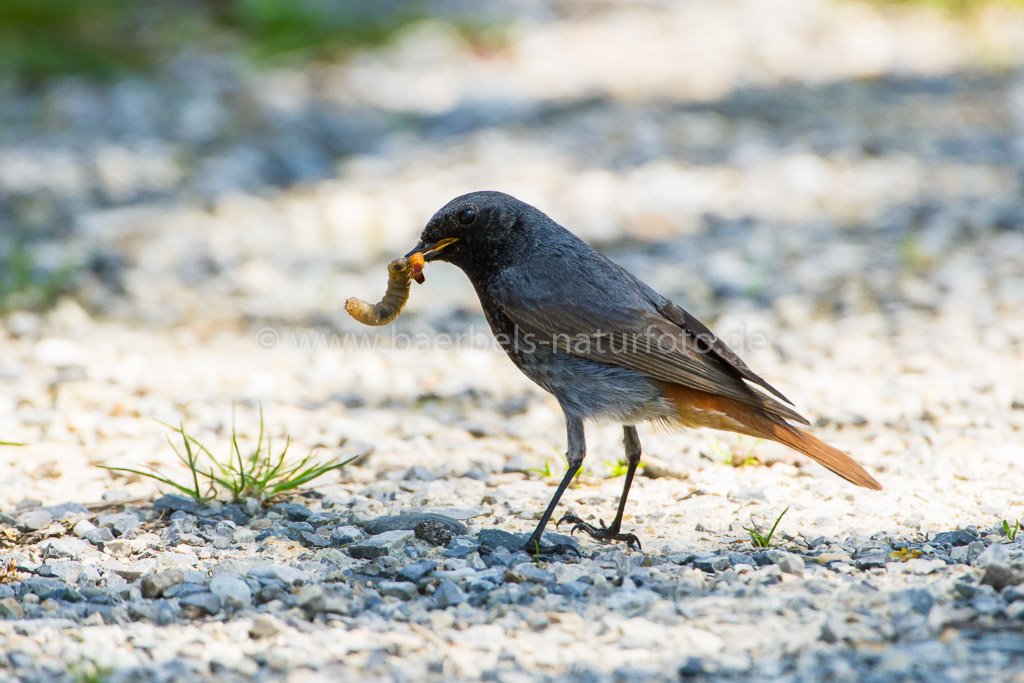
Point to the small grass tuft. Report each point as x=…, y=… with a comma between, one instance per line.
x=255, y=474
x=734, y=458
x=760, y=541
x=546, y=470
x=619, y=468
x=1011, y=532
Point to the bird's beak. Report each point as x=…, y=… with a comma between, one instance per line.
x=430, y=251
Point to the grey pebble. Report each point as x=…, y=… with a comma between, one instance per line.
x=293, y=511
x=919, y=599
x=44, y=588
x=403, y=590
x=311, y=539
x=532, y=572
x=66, y=571
x=411, y=521
x=343, y=535
x=82, y=527
x=172, y=502
x=280, y=572
x=66, y=546
x=34, y=520
x=871, y=559
x=712, y=564
x=999, y=577
x=204, y=601
x=232, y=591
x=10, y=608
x=957, y=537
x=460, y=547
x=380, y=545
x=96, y=536
x=66, y=510
x=417, y=570
x=154, y=585
x=791, y=564
x=119, y=522
x=448, y=594
x=316, y=599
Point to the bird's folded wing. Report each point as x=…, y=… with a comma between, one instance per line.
x=642, y=340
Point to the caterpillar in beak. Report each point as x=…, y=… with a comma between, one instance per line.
x=401, y=272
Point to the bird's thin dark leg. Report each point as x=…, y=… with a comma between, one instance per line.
x=631, y=440
x=576, y=451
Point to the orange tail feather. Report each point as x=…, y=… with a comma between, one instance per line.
x=701, y=409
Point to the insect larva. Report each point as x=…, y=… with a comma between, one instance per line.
x=400, y=273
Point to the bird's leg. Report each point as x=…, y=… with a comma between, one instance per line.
x=631, y=441
x=576, y=451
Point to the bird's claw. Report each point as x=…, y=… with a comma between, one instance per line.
x=602, y=533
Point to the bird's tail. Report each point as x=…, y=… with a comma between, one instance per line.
x=702, y=409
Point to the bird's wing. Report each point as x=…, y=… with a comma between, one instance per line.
x=667, y=344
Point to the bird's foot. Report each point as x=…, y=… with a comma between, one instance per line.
x=537, y=549
x=601, y=533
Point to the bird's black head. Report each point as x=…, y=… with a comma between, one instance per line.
x=479, y=229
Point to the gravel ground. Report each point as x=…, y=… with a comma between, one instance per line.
x=837, y=190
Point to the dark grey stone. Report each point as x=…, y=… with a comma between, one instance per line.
x=461, y=547
x=236, y=514
x=417, y=570
x=173, y=501
x=496, y=538
x=314, y=540
x=692, y=667
x=323, y=518
x=736, y=559
x=204, y=601
x=403, y=590
x=411, y=521
x=712, y=564
x=572, y=589
x=293, y=511
x=448, y=595
x=999, y=577
x=34, y=520
x=343, y=536
x=957, y=537
x=65, y=510
x=119, y=522
x=536, y=574
x=154, y=585
x=99, y=535
x=380, y=544
x=871, y=559
x=919, y=599
x=45, y=588
x=182, y=589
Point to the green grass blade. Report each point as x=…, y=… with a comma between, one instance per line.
x=774, y=526
x=160, y=478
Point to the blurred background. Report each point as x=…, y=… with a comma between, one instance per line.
x=236, y=161
x=843, y=179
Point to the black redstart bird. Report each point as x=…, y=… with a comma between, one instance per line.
x=604, y=343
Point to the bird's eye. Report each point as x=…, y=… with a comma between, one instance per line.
x=467, y=216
